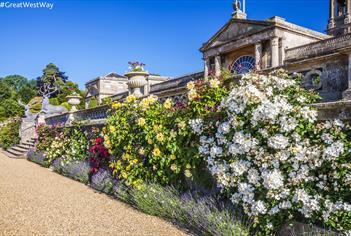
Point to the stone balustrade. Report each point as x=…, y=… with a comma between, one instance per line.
x=91, y=115
x=320, y=48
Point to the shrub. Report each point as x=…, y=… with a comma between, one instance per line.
x=269, y=154
x=9, y=134
x=150, y=142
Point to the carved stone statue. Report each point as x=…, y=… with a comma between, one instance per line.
x=46, y=91
x=237, y=5
x=49, y=109
x=28, y=114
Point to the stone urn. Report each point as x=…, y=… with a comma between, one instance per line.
x=136, y=81
x=74, y=100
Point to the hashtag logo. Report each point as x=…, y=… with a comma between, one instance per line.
x=2, y=4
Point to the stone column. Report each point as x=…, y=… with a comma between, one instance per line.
x=348, y=12
x=207, y=66
x=275, y=51
x=258, y=56
x=332, y=11
x=218, y=65
x=347, y=93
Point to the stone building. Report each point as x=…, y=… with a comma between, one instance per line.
x=113, y=84
x=243, y=45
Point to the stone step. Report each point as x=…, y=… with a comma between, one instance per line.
x=25, y=146
x=28, y=144
x=8, y=154
x=15, y=153
x=20, y=149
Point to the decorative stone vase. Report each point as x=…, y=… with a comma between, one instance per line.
x=137, y=80
x=73, y=100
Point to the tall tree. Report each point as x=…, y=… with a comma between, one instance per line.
x=53, y=76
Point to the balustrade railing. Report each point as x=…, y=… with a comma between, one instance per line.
x=96, y=113
x=319, y=48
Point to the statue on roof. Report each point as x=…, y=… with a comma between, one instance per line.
x=237, y=6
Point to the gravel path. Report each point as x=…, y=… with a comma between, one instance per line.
x=35, y=201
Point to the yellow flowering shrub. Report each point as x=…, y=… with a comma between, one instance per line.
x=151, y=141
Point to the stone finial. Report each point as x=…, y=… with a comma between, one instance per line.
x=238, y=13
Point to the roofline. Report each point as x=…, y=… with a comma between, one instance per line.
x=283, y=24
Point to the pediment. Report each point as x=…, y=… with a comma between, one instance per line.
x=235, y=29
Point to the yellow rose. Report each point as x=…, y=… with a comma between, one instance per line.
x=141, y=151
x=160, y=137
x=190, y=85
x=131, y=98
x=173, y=167
x=156, y=152
x=187, y=173
x=112, y=129
x=182, y=124
x=116, y=105
x=168, y=104
x=192, y=94
x=124, y=175
x=173, y=157
x=149, y=141
x=173, y=134
x=141, y=121
x=214, y=83
x=188, y=166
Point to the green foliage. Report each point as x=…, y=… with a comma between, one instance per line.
x=12, y=89
x=10, y=108
x=54, y=101
x=9, y=134
x=93, y=102
x=35, y=104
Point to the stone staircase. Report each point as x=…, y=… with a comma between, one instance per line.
x=19, y=151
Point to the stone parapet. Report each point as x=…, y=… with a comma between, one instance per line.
x=321, y=48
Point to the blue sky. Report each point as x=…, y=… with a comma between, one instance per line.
x=87, y=39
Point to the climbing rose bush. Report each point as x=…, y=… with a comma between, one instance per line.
x=150, y=141
x=98, y=156
x=269, y=154
x=68, y=144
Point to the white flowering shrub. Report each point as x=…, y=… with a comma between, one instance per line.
x=70, y=145
x=270, y=155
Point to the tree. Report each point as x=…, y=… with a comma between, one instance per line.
x=15, y=81
x=53, y=76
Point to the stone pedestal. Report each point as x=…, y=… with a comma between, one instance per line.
x=27, y=130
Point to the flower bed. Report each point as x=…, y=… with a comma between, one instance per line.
x=257, y=138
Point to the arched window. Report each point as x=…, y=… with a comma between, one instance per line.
x=243, y=65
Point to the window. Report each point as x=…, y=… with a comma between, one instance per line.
x=243, y=65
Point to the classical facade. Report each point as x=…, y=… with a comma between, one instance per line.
x=113, y=84
x=243, y=45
